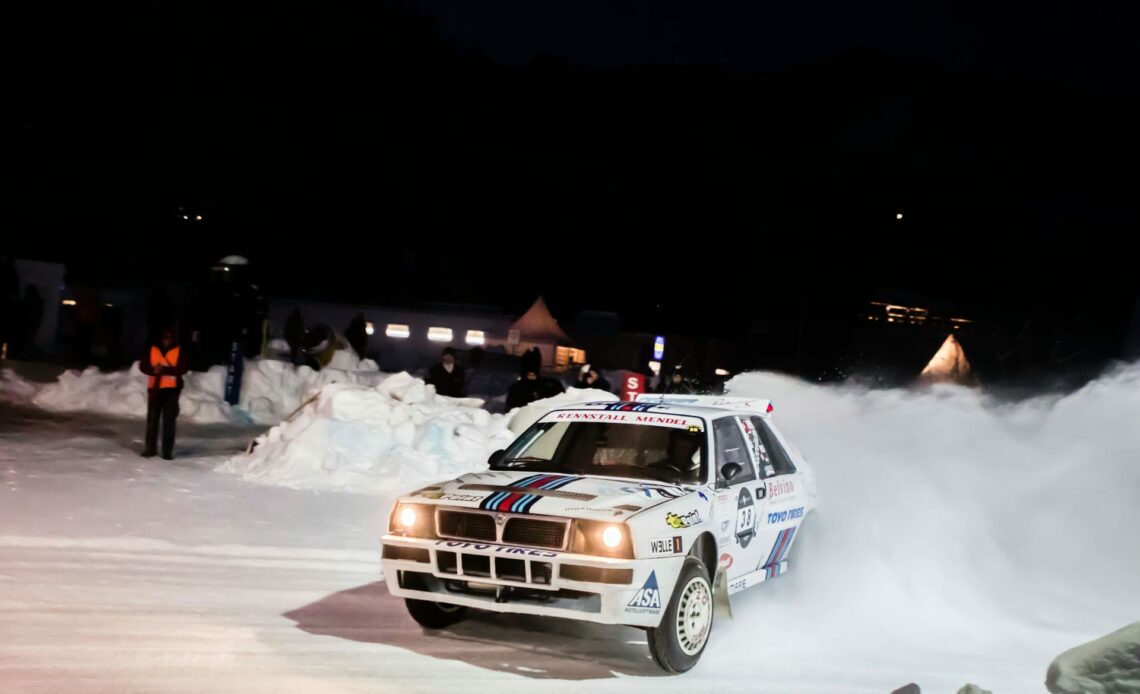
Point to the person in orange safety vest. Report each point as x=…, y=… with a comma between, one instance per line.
x=164, y=364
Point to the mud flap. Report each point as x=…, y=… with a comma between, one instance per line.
x=721, y=607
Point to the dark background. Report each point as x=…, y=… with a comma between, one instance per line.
x=696, y=167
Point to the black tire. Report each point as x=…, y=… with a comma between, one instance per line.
x=430, y=614
x=434, y=615
x=672, y=648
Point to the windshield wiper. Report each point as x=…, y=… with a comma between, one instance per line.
x=525, y=459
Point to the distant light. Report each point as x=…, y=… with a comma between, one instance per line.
x=439, y=334
x=659, y=348
x=369, y=328
x=898, y=216
x=198, y=217
x=475, y=337
x=398, y=330
x=225, y=268
x=109, y=305
x=68, y=302
x=655, y=367
x=185, y=217
x=721, y=372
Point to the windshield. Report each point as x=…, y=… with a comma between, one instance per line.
x=636, y=451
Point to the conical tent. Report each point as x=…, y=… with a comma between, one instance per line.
x=538, y=325
x=949, y=364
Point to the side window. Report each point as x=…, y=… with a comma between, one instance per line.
x=780, y=461
x=731, y=448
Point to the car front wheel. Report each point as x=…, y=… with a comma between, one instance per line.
x=677, y=643
x=435, y=615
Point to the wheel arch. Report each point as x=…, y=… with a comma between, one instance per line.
x=704, y=548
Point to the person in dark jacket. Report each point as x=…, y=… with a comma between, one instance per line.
x=356, y=334
x=164, y=364
x=676, y=384
x=294, y=333
x=532, y=386
x=592, y=378
x=447, y=376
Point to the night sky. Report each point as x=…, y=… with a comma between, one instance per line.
x=676, y=162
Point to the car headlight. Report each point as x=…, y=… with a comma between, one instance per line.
x=611, y=536
x=413, y=520
x=601, y=538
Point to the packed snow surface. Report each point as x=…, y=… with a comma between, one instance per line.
x=957, y=539
x=270, y=390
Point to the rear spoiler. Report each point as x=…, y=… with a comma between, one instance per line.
x=761, y=406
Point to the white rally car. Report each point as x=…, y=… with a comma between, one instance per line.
x=635, y=513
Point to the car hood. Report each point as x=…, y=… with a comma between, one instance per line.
x=598, y=498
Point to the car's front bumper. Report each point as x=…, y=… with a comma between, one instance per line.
x=502, y=578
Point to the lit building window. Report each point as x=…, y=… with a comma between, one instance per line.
x=439, y=334
x=475, y=337
x=398, y=330
x=369, y=328
x=68, y=302
x=564, y=356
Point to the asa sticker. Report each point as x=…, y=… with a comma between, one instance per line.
x=648, y=599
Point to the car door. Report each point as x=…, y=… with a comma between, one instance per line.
x=739, y=508
x=783, y=495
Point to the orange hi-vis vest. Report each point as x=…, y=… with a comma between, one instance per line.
x=157, y=358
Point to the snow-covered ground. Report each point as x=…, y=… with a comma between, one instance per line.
x=957, y=540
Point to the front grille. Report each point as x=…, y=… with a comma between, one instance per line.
x=466, y=526
x=531, y=532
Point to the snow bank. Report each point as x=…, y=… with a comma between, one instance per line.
x=270, y=390
x=14, y=388
x=956, y=523
x=387, y=439
x=1108, y=665
x=396, y=435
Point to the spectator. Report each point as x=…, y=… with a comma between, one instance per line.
x=592, y=378
x=532, y=386
x=676, y=384
x=164, y=364
x=356, y=334
x=294, y=333
x=447, y=376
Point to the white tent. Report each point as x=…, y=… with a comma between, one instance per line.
x=949, y=364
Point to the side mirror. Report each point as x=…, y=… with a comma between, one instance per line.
x=496, y=457
x=730, y=470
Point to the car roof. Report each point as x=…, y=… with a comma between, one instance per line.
x=704, y=411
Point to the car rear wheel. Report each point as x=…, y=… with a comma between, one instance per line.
x=677, y=643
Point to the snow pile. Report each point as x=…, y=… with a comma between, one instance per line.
x=1108, y=665
x=387, y=439
x=270, y=390
x=396, y=435
x=14, y=388
x=955, y=523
